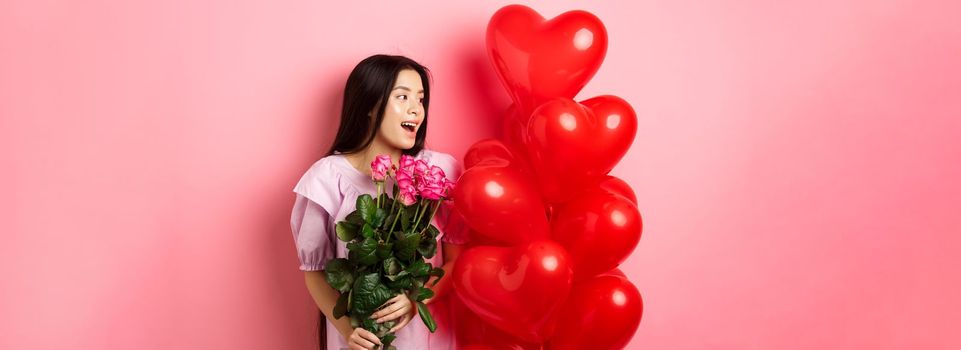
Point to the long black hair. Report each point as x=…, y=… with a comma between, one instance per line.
x=367, y=90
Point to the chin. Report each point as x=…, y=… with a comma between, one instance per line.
x=404, y=145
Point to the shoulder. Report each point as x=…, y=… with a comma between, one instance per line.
x=321, y=182
x=323, y=169
x=436, y=156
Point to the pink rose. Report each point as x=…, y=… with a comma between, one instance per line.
x=421, y=168
x=432, y=191
x=405, y=182
x=406, y=187
x=379, y=167
x=406, y=163
x=407, y=198
x=437, y=173
x=432, y=184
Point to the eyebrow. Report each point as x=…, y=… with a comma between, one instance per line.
x=406, y=88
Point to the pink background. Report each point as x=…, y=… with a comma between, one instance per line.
x=797, y=164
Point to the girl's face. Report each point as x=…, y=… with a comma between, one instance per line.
x=404, y=111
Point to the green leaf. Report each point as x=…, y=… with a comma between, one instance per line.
x=380, y=216
x=439, y=273
x=387, y=340
x=397, y=276
x=419, y=268
x=427, y=247
x=341, y=308
x=406, y=245
x=339, y=274
x=403, y=281
x=367, y=207
x=426, y=317
x=384, y=250
x=424, y=294
x=407, y=216
x=367, y=231
x=346, y=231
x=392, y=267
x=432, y=232
x=369, y=294
x=389, y=221
x=363, y=253
x=355, y=218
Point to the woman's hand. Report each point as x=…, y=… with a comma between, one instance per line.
x=399, y=307
x=362, y=339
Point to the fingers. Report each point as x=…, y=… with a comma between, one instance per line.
x=386, y=311
x=382, y=309
x=396, y=298
x=363, y=339
x=403, y=322
x=399, y=303
x=400, y=312
x=394, y=311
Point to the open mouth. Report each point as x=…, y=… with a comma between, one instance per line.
x=409, y=126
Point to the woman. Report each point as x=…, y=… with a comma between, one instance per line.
x=384, y=112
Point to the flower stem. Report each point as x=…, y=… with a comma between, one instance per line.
x=396, y=216
x=431, y=217
x=420, y=214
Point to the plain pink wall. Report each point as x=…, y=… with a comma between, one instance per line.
x=797, y=164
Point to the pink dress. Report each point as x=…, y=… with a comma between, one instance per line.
x=328, y=192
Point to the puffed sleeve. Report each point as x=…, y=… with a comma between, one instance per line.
x=310, y=224
x=318, y=199
x=449, y=221
x=453, y=225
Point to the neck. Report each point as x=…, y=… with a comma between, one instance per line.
x=362, y=159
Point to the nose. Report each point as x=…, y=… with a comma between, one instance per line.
x=415, y=109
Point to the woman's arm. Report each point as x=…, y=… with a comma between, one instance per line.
x=451, y=252
x=326, y=297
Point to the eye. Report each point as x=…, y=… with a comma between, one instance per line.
x=402, y=97
x=421, y=100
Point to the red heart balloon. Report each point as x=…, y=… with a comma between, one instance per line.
x=572, y=145
x=472, y=330
x=600, y=313
x=614, y=272
x=513, y=128
x=619, y=187
x=501, y=204
x=516, y=289
x=599, y=230
x=494, y=152
x=488, y=152
x=607, y=184
x=477, y=347
x=537, y=60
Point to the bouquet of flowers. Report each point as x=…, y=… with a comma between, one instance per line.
x=389, y=238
